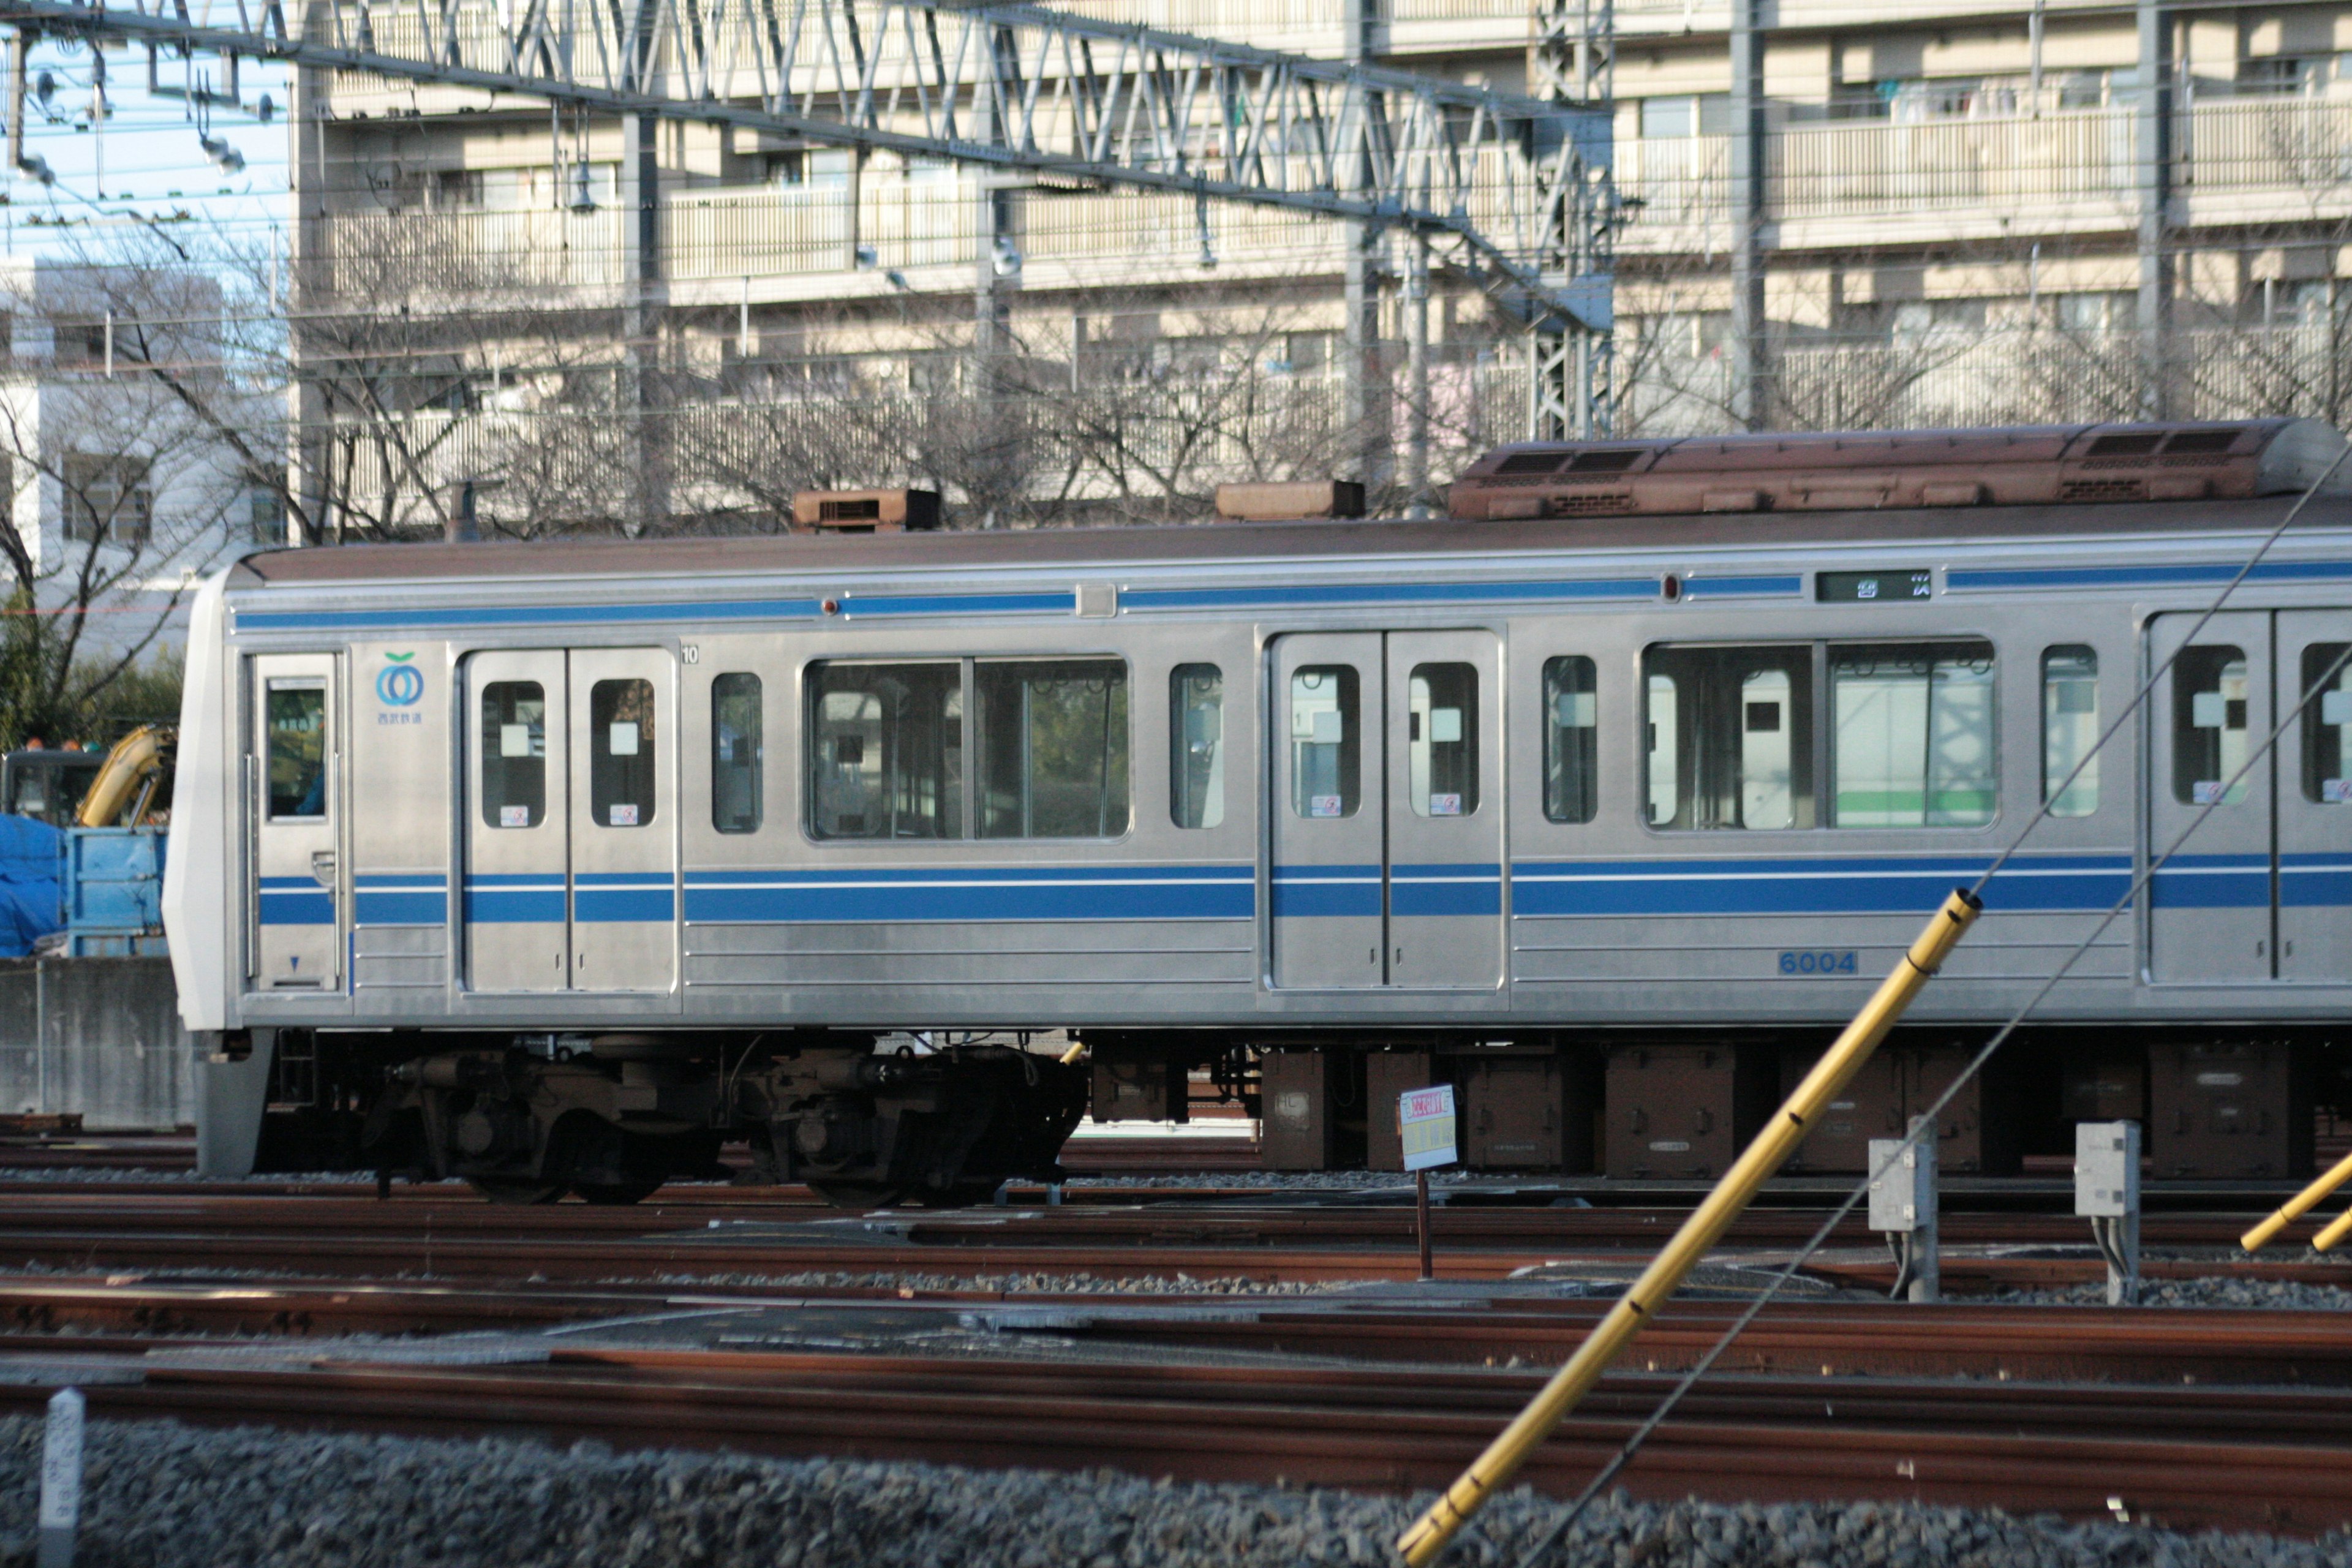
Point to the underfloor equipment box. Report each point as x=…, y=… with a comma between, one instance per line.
x=2230, y=1111
x=1387, y=1074
x=1976, y=1135
x=1526, y=1112
x=1682, y=1110
x=2107, y=1084
x=1312, y=1114
x=1139, y=1089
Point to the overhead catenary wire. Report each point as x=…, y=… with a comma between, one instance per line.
x=1609, y=1472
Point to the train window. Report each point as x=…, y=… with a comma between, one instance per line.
x=1731, y=737
x=2327, y=723
x=621, y=753
x=514, y=753
x=1196, y=745
x=1442, y=739
x=1325, y=741
x=735, y=754
x=2209, y=725
x=2069, y=730
x=296, y=719
x=1912, y=744
x=885, y=752
x=1052, y=741
x=1571, y=772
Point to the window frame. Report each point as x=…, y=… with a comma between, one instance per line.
x=1551, y=754
x=968, y=786
x=1819, y=753
x=758, y=770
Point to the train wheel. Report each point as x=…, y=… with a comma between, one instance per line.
x=515, y=1189
x=857, y=1195
x=618, y=1194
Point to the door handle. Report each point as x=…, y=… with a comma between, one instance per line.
x=322, y=867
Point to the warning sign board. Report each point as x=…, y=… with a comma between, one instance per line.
x=1426, y=1123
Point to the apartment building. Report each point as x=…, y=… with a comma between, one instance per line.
x=1835, y=213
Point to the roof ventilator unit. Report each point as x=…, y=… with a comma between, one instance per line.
x=1876, y=470
x=865, y=511
x=1289, y=501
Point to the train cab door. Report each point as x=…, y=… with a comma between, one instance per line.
x=2209, y=906
x=2314, y=797
x=623, y=837
x=1387, y=810
x=518, y=822
x=1445, y=810
x=294, y=804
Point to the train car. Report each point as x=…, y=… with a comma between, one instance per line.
x=1608, y=796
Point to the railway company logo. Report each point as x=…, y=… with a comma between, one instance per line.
x=399, y=684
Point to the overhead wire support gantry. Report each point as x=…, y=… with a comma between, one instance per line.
x=1499, y=184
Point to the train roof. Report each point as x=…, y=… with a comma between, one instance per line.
x=707, y=557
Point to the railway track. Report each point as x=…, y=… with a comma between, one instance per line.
x=2196, y=1418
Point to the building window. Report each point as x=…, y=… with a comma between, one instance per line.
x=1730, y=733
x=1196, y=745
x=2209, y=725
x=296, y=719
x=1052, y=748
x=2327, y=724
x=1325, y=741
x=107, y=498
x=1442, y=739
x=736, y=803
x=514, y=753
x=885, y=750
x=1912, y=745
x=1571, y=749
x=265, y=516
x=2069, y=730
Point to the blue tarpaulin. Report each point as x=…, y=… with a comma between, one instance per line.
x=30, y=903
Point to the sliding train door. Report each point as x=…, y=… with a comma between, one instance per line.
x=1387, y=835
x=2314, y=797
x=570, y=852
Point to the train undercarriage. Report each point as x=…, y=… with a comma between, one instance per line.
x=867, y=1120
x=612, y=1116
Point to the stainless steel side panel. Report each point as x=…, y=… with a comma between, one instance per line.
x=1329, y=854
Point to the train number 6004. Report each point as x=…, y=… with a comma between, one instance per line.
x=1817, y=964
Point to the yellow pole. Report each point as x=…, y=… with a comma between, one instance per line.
x=2298, y=1205
x=2327, y=1239
x=1493, y=1469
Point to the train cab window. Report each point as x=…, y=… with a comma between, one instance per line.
x=1442, y=739
x=1325, y=741
x=1912, y=744
x=1571, y=772
x=2069, y=730
x=1731, y=737
x=735, y=754
x=1050, y=736
x=2327, y=723
x=2209, y=725
x=885, y=750
x=296, y=721
x=621, y=752
x=1196, y=745
x=514, y=753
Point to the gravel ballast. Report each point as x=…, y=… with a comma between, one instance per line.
x=176, y=1497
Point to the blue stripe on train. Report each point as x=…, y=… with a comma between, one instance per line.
x=1306, y=892
x=611, y=897
x=2212, y=883
x=401, y=899
x=973, y=893
x=1884, y=885
x=2315, y=881
x=1475, y=888
x=294, y=901
x=508, y=899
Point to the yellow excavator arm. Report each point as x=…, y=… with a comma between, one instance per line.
x=139, y=762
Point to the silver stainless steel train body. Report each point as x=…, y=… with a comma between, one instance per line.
x=640, y=812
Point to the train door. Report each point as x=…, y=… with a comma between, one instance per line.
x=1387, y=810
x=295, y=811
x=623, y=843
x=518, y=822
x=2314, y=797
x=2210, y=909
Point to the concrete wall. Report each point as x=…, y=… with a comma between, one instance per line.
x=100, y=1035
